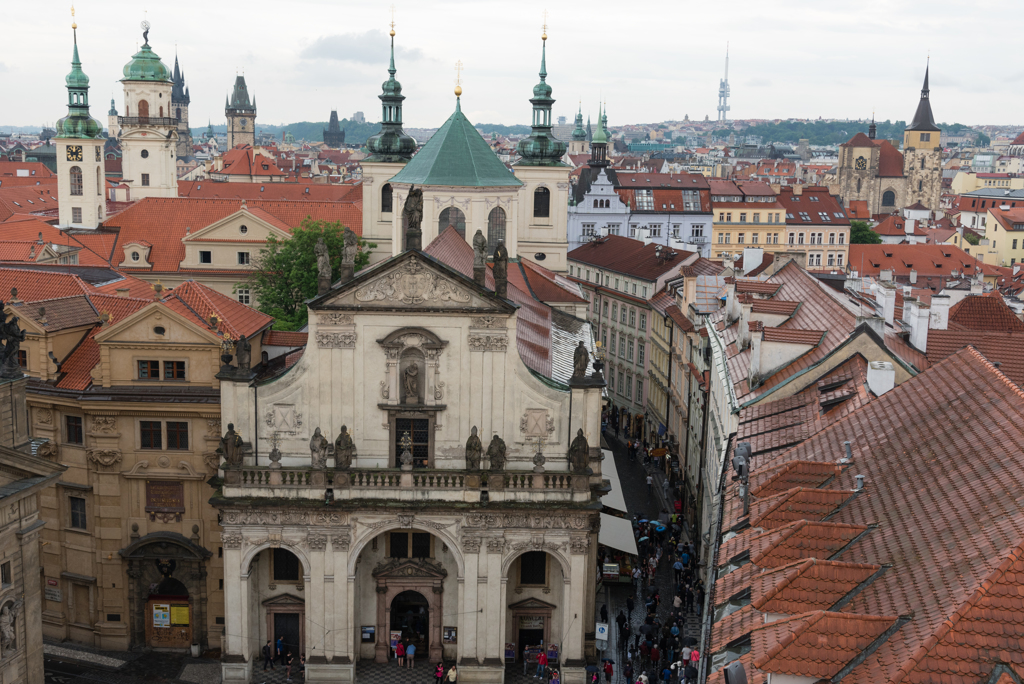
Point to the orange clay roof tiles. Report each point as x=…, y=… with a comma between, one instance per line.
x=944, y=492
x=281, y=338
x=775, y=306
x=290, y=192
x=983, y=313
x=201, y=302
x=629, y=256
x=801, y=539
x=798, y=503
x=60, y=314
x=34, y=285
x=795, y=474
x=762, y=287
x=785, y=335
x=1003, y=347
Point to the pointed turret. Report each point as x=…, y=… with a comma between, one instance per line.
x=541, y=148
x=590, y=133
x=872, y=129
x=391, y=144
x=179, y=95
x=923, y=119
x=599, y=145
x=578, y=133
x=78, y=123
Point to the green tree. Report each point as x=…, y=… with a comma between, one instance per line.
x=971, y=238
x=861, y=234
x=285, y=273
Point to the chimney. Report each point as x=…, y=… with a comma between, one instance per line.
x=913, y=277
x=860, y=483
x=977, y=282
x=732, y=307
x=885, y=275
x=122, y=291
x=940, y=312
x=799, y=257
x=876, y=323
x=743, y=334
x=885, y=294
x=752, y=258
x=756, y=333
x=916, y=316
x=881, y=377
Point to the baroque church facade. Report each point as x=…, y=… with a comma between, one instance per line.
x=888, y=180
x=465, y=185
x=430, y=468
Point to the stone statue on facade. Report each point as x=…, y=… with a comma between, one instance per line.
x=580, y=361
x=500, y=270
x=7, y=633
x=344, y=449
x=412, y=212
x=323, y=267
x=231, y=446
x=318, y=449
x=411, y=384
x=579, y=454
x=12, y=336
x=474, y=450
x=496, y=453
x=348, y=253
x=243, y=353
x=479, y=250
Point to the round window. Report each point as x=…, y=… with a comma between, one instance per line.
x=243, y=229
x=159, y=330
x=145, y=153
x=135, y=256
x=540, y=256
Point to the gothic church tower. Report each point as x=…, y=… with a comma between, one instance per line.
x=922, y=155
x=179, y=107
x=241, y=115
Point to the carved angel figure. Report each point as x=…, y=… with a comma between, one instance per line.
x=479, y=250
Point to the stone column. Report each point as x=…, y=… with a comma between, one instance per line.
x=31, y=614
x=574, y=604
x=467, y=646
x=437, y=608
x=494, y=608
x=380, y=651
x=236, y=665
x=316, y=608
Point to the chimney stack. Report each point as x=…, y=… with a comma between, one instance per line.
x=860, y=483
x=885, y=294
x=881, y=377
x=743, y=334
x=876, y=323
x=756, y=333
x=122, y=291
x=916, y=316
x=940, y=312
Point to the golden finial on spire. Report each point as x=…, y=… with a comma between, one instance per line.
x=458, y=78
x=73, y=24
x=392, y=21
x=544, y=28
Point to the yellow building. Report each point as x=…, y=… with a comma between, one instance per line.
x=1005, y=236
x=745, y=215
x=968, y=181
x=124, y=392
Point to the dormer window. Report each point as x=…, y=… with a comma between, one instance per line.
x=135, y=256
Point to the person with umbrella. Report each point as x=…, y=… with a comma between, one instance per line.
x=608, y=671
x=690, y=674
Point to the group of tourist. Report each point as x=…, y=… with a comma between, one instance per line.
x=278, y=652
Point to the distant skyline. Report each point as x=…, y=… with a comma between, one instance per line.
x=651, y=61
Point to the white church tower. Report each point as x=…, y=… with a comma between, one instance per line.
x=149, y=131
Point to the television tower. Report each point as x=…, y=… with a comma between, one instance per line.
x=723, y=90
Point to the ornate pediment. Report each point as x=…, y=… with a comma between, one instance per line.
x=532, y=604
x=284, y=600
x=397, y=568
x=411, y=281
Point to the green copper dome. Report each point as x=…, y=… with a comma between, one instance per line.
x=391, y=144
x=541, y=148
x=78, y=123
x=578, y=133
x=146, y=65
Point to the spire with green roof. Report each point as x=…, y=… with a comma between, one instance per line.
x=392, y=143
x=541, y=148
x=599, y=145
x=146, y=65
x=578, y=133
x=78, y=123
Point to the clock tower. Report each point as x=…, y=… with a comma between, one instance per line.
x=80, y=139
x=149, y=131
x=241, y=115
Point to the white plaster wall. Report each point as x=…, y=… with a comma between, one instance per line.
x=556, y=584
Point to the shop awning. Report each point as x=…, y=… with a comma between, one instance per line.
x=617, y=533
x=613, y=499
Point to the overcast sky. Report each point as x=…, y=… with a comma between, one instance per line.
x=651, y=61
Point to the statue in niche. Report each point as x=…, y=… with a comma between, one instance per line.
x=474, y=451
x=344, y=449
x=496, y=453
x=579, y=454
x=479, y=250
x=318, y=449
x=231, y=446
x=411, y=383
x=7, y=632
x=580, y=361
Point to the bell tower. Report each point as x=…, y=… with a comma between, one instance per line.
x=180, y=100
x=922, y=153
x=81, y=186
x=149, y=131
x=241, y=115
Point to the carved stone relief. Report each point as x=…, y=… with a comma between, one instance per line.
x=412, y=284
x=332, y=318
x=488, y=322
x=283, y=418
x=537, y=423
x=104, y=457
x=484, y=343
x=104, y=424
x=336, y=340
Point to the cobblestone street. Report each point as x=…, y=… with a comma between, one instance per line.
x=652, y=506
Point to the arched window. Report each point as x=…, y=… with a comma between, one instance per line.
x=161, y=111
x=452, y=216
x=597, y=203
x=76, y=180
x=143, y=109
x=495, y=228
x=888, y=198
x=386, y=199
x=541, y=203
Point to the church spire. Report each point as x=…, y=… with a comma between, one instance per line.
x=578, y=133
x=923, y=119
x=78, y=123
x=391, y=144
x=599, y=145
x=542, y=148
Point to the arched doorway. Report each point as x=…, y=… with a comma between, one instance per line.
x=534, y=616
x=169, y=612
x=410, y=615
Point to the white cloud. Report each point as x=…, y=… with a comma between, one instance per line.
x=369, y=47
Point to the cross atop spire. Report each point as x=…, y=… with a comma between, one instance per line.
x=458, y=78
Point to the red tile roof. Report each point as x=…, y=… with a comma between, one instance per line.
x=793, y=336
x=36, y=170
x=27, y=199
x=798, y=503
x=774, y=306
x=292, y=192
x=999, y=347
x=281, y=338
x=242, y=160
x=890, y=160
x=76, y=370
x=200, y=302
x=548, y=286
x=35, y=285
x=807, y=585
x=630, y=257
x=984, y=313
x=761, y=287
x=928, y=260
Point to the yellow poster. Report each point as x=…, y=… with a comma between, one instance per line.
x=179, y=615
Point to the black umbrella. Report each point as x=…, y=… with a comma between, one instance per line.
x=607, y=660
x=689, y=641
x=646, y=629
x=591, y=668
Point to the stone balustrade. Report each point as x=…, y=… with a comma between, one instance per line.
x=404, y=485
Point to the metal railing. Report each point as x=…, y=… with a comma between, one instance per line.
x=146, y=121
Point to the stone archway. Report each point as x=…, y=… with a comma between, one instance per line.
x=399, y=575
x=163, y=559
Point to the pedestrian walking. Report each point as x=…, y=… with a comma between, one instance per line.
x=280, y=650
x=542, y=664
x=608, y=671
x=620, y=620
x=678, y=567
x=629, y=606
x=650, y=483
x=288, y=666
x=453, y=675
x=604, y=612
x=268, y=656
x=410, y=655
x=400, y=653
x=439, y=673
x=302, y=665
